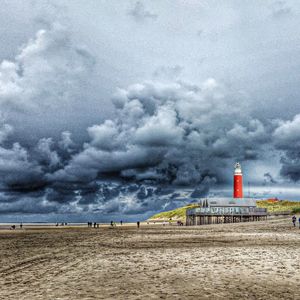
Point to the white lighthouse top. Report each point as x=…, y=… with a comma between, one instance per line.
x=237, y=168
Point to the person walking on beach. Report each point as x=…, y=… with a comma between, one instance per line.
x=299, y=222
x=138, y=224
x=294, y=220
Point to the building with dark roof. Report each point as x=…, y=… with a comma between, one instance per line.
x=227, y=210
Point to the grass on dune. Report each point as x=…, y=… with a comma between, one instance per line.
x=178, y=213
x=280, y=206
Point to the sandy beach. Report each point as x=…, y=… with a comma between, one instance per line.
x=259, y=260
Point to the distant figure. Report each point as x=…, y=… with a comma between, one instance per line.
x=56, y=224
x=13, y=227
x=21, y=225
x=299, y=222
x=95, y=224
x=121, y=222
x=138, y=224
x=294, y=220
x=112, y=223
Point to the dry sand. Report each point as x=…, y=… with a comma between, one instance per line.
x=259, y=260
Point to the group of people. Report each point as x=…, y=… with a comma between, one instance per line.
x=62, y=224
x=113, y=224
x=14, y=226
x=90, y=224
x=294, y=219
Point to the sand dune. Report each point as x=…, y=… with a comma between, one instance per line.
x=233, y=261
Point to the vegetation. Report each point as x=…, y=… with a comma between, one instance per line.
x=277, y=206
x=296, y=211
x=280, y=206
x=177, y=214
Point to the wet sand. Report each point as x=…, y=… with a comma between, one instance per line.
x=259, y=260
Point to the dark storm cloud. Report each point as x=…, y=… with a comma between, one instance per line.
x=164, y=133
x=287, y=139
x=169, y=132
x=269, y=178
x=164, y=126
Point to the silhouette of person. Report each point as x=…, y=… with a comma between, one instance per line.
x=294, y=220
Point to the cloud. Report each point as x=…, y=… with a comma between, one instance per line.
x=46, y=71
x=140, y=13
x=269, y=179
x=104, y=136
x=17, y=171
x=163, y=141
x=45, y=155
x=287, y=134
x=286, y=138
x=165, y=133
x=168, y=132
x=66, y=142
x=5, y=131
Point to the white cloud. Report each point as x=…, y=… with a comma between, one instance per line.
x=46, y=71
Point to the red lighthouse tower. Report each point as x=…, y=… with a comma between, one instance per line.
x=238, y=181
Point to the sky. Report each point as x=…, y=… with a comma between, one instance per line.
x=120, y=109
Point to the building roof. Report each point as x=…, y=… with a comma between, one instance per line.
x=228, y=201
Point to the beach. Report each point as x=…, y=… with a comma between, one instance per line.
x=255, y=260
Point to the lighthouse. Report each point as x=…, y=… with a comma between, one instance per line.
x=238, y=181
